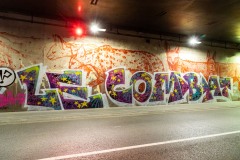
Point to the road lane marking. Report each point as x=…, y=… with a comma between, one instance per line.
x=138, y=146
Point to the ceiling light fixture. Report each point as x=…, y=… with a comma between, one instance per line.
x=94, y=28
x=194, y=41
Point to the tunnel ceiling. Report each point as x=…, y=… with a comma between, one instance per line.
x=214, y=19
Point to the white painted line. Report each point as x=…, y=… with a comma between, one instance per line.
x=139, y=146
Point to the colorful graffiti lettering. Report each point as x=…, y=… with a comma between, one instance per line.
x=67, y=90
x=226, y=87
x=73, y=92
x=141, y=93
x=166, y=88
x=207, y=94
x=161, y=88
x=195, y=88
x=221, y=87
x=179, y=88
x=30, y=79
x=117, y=87
x=214, y=86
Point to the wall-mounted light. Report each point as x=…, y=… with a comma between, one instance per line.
x=95, y=28
x=78, y=31
x=194, y=41
x=79, y=8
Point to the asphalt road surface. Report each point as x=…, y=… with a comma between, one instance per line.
x=199, y=132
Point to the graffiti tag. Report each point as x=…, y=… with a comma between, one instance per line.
x=10, y=99
x=7, y=76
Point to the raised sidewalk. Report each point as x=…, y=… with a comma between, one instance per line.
x=48, y=116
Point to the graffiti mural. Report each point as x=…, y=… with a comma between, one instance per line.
x=96, y=60
x=68, y=90
x=94, y=73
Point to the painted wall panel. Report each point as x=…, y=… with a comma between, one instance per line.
x=55, y=70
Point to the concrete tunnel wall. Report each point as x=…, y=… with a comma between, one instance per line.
x=55, y=70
